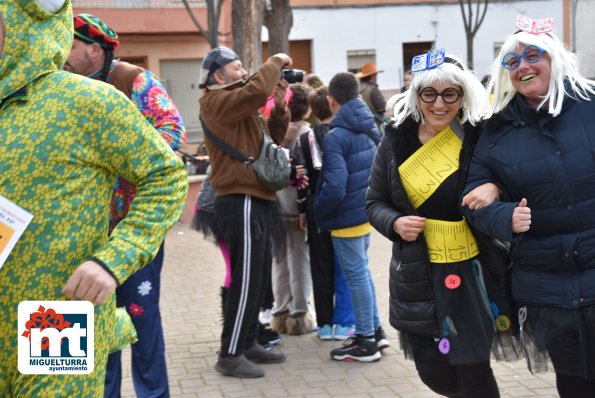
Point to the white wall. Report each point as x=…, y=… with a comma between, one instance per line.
x=333, y=31
x=585, y=45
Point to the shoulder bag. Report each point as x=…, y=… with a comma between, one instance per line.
x=272, y=165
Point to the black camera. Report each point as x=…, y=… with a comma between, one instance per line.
x=292, y=75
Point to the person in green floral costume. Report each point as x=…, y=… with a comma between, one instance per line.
x=64, y=140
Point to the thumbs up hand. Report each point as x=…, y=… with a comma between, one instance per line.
x=521, y=217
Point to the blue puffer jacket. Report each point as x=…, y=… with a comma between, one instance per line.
x=347, y=158
x=550, y=161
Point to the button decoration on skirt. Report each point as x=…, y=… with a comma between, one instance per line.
x=502, y=323
x=452, y=281
x=444, y=345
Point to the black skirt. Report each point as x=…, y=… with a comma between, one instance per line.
x=474, y=320
x=565, y=336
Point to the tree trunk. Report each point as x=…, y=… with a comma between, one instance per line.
x=279, y=19
x=247, y=18
x=470, y=39
x=472, y=19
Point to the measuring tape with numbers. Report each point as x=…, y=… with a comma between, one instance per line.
x=449, y=241
x=430, y=165
x=422, y=174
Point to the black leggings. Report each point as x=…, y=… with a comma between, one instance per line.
x=575, y=387
x=459, y=381
x=454, y=381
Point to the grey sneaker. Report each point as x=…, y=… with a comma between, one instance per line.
x=259, y=354
x=239, y=367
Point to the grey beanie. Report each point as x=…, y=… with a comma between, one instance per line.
x=215, y=59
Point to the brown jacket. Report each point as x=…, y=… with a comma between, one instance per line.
x=232, y=114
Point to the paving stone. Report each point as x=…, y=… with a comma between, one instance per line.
x=190, y=307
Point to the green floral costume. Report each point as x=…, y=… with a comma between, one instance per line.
x=64, y=138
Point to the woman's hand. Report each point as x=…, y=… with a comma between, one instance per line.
x=409, y=227
x=481, y=196
x=521, y=217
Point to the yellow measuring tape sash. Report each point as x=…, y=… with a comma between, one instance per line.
x=449, y=241
x=430, y=165
x=422, y=174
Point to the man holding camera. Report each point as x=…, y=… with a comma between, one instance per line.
x=246, y=210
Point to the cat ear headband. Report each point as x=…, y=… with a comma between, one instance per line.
x=534, y=26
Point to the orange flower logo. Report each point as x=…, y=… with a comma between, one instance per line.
x=43, y=319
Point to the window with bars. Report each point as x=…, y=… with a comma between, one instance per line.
x=357, y=58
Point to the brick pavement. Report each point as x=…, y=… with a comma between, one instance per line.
x=191, y=278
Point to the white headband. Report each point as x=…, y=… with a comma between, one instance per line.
x=51, y=5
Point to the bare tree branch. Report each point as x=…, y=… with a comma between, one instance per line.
x=212, y=39
x=194, y=20
x=483, y=15
x=472, y=22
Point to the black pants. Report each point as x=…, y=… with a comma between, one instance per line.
x=575, y=387
x=456, y=381
x=245, y=222
x=269, y=298
x=323, y=271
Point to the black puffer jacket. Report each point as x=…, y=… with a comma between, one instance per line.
x=412, y=301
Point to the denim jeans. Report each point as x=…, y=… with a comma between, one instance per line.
x=352, y=255
x=343, y=313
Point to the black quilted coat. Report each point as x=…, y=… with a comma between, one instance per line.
x=412, y=301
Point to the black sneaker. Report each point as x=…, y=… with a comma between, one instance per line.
x=381, y=341
x=267, y=336
x=357, y=349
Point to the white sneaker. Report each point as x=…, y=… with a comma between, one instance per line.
x=265, y=317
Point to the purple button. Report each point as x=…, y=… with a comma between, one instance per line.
x=444, y=345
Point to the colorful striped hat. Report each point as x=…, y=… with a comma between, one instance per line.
x=91, y=29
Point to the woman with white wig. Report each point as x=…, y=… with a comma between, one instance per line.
x=447, y=293
x=538, y=146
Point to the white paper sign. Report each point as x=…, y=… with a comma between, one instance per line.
x=13, y=222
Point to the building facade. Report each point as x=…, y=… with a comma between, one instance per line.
x=344, y=34
x=330, y=36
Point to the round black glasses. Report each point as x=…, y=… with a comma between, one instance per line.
x=449, y=96
x=512, y=60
